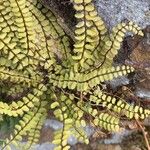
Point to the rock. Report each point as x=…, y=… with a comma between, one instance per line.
x=72, y=140
x=114, y=11
x=140, y=59
x=54, y=124
x=117, y=137
x=135, y=148
x=89, y=130
x=47, y=135
x=109, y=147
x=118, y=82
x=45, y=146
x=143, y=93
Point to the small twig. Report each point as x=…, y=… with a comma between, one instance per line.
x=81, y=97
x=144, y=134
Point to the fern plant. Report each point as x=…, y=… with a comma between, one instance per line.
x=39, y=71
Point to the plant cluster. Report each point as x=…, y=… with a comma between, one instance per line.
x=40, y=71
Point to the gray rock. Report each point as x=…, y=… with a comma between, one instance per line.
x=45, y=146
x=54, y=124
x=114, y=11
x=89, y=130
x=118, y=137
x=72, y=140
x=143, y=93
x=118, y=82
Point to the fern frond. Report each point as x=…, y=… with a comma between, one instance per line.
x=107, y=121
x=119, y=106
x=24, y=105
x=103, y=120
x=113, y=43
x=13, y=76
x=48, y=25
x=83, y=82
x=61, y=136
x=86, y=33
x=34, y=133
x=28, y=121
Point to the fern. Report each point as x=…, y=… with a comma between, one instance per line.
x=38, y=64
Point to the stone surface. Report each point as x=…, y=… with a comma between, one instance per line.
x=45, y=146
x=140, y=59
x=117, y=137
x=118, y=82
x=114, y=11
x=54, y=124
x=143, y=93
x=109, y=147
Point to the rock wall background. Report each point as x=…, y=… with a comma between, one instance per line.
x=115, y=11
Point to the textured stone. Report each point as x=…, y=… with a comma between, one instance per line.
x=117, y=137
x=118, y=82
x=114, y=11
x=54, y=124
